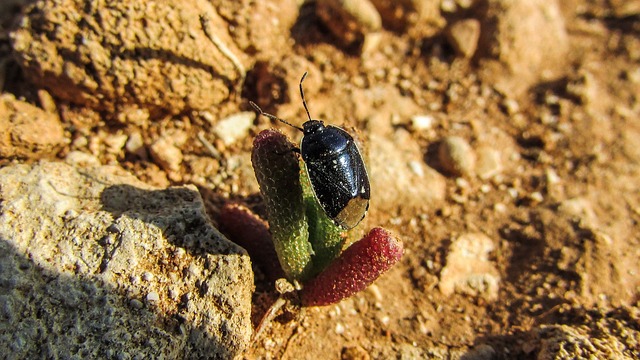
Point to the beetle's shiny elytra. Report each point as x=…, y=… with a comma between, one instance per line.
x=335, y=168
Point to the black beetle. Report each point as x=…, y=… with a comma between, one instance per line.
x=335, y=168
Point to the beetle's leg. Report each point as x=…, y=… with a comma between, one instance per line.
x=291, y=149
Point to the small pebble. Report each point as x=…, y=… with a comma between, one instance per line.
x=429, y=264
x=147, y=276
x=47, y=102
x=416, y=168
x=179, y=252
x=463, y=37
x=405, y=84
x=166, y=154
x=371, y=42
x=465, y=4
x=136, y=304
x=81, y=159
x=234, y=127
x=135, y=144
x=448, y=6
x=580, y=209
x=115, y=143
x=537, y=197
x=511, y=106
x=422, y=122
x=374, y=290
x=489, y=163
x=283, y=286
x=355, y=353
x=153, y=296
x=80, y=142
x=134, y=115
x=500, y=208
x=469, y=269
x=70, y=214
x=462, y=183
x=173, y=294
x=552, y=176
x=349, y=20
x=456, y=156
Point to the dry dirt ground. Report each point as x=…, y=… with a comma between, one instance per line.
x=559, y=201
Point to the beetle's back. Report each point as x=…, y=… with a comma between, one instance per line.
x=325, y=142
x=337, y=174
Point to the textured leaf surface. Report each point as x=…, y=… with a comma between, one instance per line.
x=278, y=173
x=358, y=266
x=252, y=233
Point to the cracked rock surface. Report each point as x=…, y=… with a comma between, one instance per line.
x=95, y=264
x=130, y=54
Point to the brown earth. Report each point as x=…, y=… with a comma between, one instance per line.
x=546, y=97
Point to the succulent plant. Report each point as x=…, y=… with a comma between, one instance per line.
x=307, y=242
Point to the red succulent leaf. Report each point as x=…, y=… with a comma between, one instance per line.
x=252, y=233
x=356, y=268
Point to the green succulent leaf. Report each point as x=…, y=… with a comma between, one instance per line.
x=278, y=173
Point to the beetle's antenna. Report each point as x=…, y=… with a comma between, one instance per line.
x=272, y=117
x=304, y=102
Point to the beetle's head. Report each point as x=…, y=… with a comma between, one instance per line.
x=312, y=126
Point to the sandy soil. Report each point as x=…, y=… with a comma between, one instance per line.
x=554, y=187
